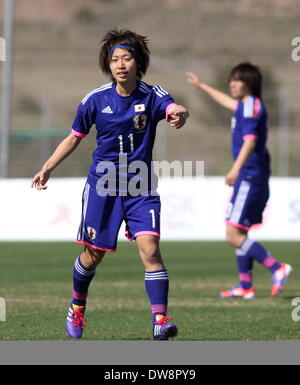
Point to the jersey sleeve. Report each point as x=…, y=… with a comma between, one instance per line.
x=85, y=118
x=163, y=101
x=251, y=115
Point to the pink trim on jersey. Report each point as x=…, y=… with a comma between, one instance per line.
x=269, y=261
x=245, y=277
x=257, y=107
x=96, y=247
x=79, y=296
x=237, y=225
x=255, y=225
x=250, y=136
x=167, y=109
x=147, y=233
x=159, y=309
x=76, y=133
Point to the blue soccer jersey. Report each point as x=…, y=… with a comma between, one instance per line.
x=125, y=128
x=125, y=125
x=250, y=120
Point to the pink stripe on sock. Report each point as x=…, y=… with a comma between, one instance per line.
x=159, y=309
x=269, y=261
x=80, y=297
x=245, y=277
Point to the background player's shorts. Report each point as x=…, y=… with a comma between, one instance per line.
x=102, y=217
x=247, y=203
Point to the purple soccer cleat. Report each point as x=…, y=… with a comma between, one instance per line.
x=75, y=321
x=162, y=330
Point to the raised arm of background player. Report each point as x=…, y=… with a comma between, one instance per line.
x=230, y=103
x=65, y=148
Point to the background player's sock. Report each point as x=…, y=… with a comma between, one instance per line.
x=245, y=264
x=82, y=278
x=260, y=254
x=157, y=288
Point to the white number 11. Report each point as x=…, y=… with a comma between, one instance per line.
x=130, y=136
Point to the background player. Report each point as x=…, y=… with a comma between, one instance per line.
x=249, y=175
x=125, y=113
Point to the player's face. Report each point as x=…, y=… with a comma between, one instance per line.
x=238, y=89
x=123, y=66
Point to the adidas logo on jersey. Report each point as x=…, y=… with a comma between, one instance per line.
x=107, y=110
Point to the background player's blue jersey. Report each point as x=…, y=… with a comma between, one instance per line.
x=124, y=124
x=250, y=119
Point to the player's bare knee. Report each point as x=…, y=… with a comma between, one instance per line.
x=233, y=239
x=149, y=251
x=91, y=257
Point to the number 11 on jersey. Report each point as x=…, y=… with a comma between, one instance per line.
x=121, y=143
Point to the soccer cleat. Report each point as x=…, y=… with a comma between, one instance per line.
x=279, y=278
x=238, y=292
x=75, y=321
x=162, y=330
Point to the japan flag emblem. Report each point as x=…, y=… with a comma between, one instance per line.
x=139, y=107
x=91, y=233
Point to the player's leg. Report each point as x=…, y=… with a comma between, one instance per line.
x=156, y=285
x=143, y=225
x=235, y=237
x=98, y=231
x=251, y=249
x=156, y=274
x=83, y=272
x=246, y=209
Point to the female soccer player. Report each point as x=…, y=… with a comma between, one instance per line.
x=125, y=112
x=249, y=175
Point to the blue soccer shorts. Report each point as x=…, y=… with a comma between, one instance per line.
x=247, y=203
x=102, y=217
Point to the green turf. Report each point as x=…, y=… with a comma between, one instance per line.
x=36, y=282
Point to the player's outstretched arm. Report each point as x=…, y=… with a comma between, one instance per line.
x=218, y=96
x=177, y=115
x=65, y=148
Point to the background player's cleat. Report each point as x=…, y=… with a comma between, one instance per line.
x=75, y=321
x=238, y=291
x=279, y=278
x=162, y=330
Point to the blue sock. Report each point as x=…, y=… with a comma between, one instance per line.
x=157, y=288
x=245, y=265
x=82, y=278
x=260, y=254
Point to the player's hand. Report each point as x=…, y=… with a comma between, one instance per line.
x=231, y=177
x=40, y=179
x=193, y=79
x=177, y=115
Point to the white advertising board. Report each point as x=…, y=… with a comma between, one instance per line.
x=192, y=209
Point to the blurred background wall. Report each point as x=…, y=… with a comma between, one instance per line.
x=55, y=64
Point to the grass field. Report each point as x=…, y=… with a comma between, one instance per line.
x=36, y=282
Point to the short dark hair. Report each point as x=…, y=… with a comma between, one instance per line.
x=249, y=74
x=139, y=43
